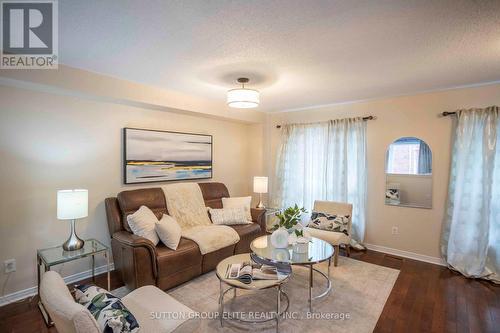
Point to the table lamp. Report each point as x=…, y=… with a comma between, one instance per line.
x=72, y=205
x=260, y=186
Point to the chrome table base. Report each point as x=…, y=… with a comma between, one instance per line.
x=277, y=314
x=311, y=284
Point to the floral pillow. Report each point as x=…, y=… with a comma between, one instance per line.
x=330, y=222
x=108, y=310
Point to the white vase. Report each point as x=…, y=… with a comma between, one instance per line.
x=279, y=238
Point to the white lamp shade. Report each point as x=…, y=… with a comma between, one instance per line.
x=243, y=98
x=260, y=184
x=72, y=204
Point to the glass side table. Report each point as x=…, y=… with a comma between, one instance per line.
x=271, y=219
x=56, y=255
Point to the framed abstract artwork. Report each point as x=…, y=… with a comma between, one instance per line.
x=157, y=156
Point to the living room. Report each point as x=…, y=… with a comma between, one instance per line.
x=379, y=119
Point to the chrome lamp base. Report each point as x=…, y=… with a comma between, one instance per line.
x=74, y=242
x=260, y=205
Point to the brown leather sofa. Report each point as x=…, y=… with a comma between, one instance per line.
x=140, y=263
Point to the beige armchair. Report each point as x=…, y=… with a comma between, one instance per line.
x=71, y=317
x=332, y=237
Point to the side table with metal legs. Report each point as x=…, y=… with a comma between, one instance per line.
x=56, y=255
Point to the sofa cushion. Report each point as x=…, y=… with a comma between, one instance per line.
x=213, y=193
x=158, y=312
x=108, y=310
x=247, y=230
x=212, y=238
x=247, y=233
x=212, y=259
x=332, y=237
x=170, y=261
x=131, y=201
x=185, y=203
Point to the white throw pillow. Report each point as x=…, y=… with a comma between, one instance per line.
x=142, y=223
x=228, y=216
x=169, y=231
x=238, y=202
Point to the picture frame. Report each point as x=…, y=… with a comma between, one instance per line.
x=151, y=156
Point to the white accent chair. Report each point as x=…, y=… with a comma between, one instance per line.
x=332, y=237
x=71, y=317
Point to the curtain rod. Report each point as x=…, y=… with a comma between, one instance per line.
x=364, y=118
x=450, y=113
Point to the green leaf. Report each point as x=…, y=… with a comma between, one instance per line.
x=290, y=217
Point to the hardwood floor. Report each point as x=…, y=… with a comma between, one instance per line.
x=431, y=298
x=425, y=298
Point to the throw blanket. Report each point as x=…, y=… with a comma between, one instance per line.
x=212, y=238
x=185, y=203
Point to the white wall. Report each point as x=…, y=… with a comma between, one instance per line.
x=51, y=141
x=409, y=116
x=76, y=82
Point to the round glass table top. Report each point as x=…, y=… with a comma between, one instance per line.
x=318, y=251
x=223, y=266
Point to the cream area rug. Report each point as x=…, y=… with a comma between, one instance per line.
x=359, y=292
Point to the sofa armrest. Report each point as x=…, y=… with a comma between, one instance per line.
x=259, y=217
x=128, y=239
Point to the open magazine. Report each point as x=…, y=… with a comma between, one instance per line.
x=246, y=272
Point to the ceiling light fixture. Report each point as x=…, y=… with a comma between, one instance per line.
x=243, y=98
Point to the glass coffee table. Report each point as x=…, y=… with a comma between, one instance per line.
x=318, y=251
x=233, y=284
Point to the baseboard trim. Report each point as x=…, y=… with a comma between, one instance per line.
x=406, y=254
x=22, y=294
x=25, y=293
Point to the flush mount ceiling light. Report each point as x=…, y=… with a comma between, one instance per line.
x=243, y=98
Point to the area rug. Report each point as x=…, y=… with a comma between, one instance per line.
x=354, y=304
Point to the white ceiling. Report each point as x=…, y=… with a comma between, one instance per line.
x=298, y=53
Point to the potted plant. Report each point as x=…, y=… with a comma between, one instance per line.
x=287, y=220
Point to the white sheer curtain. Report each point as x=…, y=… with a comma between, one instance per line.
x=324, y=161
x=471, y=234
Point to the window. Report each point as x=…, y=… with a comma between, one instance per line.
x=410, y=156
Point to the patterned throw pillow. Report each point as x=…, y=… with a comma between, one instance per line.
x=109, y=312
x=323, y=221
x=238, y=202
x=228, y=216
